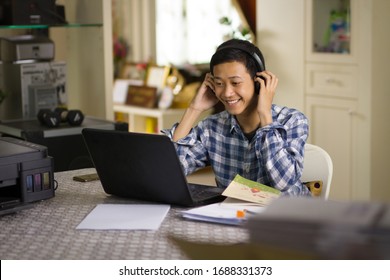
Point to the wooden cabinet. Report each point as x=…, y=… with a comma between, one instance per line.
x=331, y=80
x=340, y=93
x=333, y=127
x=331, y=100
x=330, y=31
x=344, y=91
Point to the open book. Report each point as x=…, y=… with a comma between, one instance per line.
x=244, y=198
x=250, y=191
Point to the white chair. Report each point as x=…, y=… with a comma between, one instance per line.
x=318, y=166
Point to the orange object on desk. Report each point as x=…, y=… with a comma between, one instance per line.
x=240, y=214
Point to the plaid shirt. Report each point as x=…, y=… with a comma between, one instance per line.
x=274, y=156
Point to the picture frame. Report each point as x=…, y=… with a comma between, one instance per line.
x=131, y=71
x=156, y=76
x=120, y=89
x=142, y=96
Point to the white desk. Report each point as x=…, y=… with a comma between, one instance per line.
x=48, y=230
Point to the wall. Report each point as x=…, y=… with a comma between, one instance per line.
x=380, y=101
x=282, y=45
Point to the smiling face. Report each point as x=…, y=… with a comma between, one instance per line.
x=234, y=87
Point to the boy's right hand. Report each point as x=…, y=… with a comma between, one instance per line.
x=205, y=97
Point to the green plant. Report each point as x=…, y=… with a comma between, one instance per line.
x=240, y=32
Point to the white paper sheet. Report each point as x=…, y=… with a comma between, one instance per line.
x=125, y=216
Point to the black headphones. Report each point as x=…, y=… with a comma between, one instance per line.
x=54, y=118
x=253, y=54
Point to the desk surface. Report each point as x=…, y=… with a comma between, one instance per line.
x=48, y=230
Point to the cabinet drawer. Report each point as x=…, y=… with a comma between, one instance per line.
x=331, y=80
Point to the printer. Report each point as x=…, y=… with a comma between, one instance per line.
x=26, y=47
x=26, y=174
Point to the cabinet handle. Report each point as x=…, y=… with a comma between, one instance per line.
x=332, y=81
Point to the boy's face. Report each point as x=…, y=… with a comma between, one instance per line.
x=234, y=87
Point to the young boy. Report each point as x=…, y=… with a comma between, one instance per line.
x=252, y=137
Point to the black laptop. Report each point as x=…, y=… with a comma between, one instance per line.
x=145, y=167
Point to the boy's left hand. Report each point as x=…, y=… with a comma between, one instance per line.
x=268, y=83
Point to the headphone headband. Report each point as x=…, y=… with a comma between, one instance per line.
x=253, y=54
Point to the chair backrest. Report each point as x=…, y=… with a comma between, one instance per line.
x=318, y=166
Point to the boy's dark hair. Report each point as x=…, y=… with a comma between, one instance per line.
x=241, y=51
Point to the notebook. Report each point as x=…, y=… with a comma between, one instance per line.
x=145, y=167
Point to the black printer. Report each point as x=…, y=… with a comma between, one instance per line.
x=26, y=174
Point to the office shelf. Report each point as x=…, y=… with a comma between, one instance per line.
x=146, y=119
x=85, y=44
x=149, y=120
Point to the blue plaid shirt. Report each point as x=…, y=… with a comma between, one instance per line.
x=274, y=156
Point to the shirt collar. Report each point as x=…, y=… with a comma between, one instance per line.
x=234, y=126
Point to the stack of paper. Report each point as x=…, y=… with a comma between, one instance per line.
x=244, y=198
x=329, y=229
x=223, y=213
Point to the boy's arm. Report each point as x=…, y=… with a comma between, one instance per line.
x=187, y=121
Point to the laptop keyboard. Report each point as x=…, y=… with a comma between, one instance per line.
x=201, y=192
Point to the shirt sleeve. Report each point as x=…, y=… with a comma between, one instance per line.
x=281, y=150
x=190, y=149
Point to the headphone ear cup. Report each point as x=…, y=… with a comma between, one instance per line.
x=52, y=119
x=41, y=115
x=62, y=112
x=49, y=118
x=75, y=117
x=257, y=87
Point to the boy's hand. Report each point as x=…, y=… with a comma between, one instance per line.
x=205, y=97
x=268, y=83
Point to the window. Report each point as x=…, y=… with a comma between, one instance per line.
x=188, y=31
